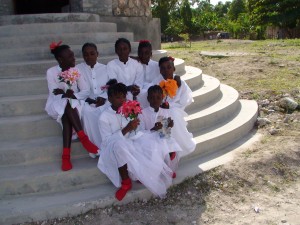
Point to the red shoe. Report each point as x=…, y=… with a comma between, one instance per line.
x=174, y=175
x=126, y=186
x=87, y=144
x=172, y=155
x=66, y=160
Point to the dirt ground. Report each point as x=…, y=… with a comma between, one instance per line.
x=260, y=186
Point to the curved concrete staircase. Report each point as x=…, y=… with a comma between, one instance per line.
x=32, y=186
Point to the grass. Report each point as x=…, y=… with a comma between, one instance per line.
x=280, y=57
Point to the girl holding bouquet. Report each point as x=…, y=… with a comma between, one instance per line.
x=96, y=76
x=176, y=99
x=66, y=90
x=151, y=71
x=123, y=157
x=158, y=121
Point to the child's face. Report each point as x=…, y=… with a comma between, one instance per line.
x=90, y=55
x=167, y=70
x=117, y=100
x=67, y=58
x=145, y=54
x=123, y=51
x=155, y=99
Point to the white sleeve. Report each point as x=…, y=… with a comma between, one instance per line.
x=84, y=89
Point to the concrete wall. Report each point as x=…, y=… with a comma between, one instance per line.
x=142, y=27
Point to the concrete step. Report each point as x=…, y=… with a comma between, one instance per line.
x=23, y=86
x=38, y=68
x=193, y=77
x=43, y=53
x=209, y=91
x=68, y=38
x=28, y=127
x=219, y=109
x=226, y=132
x=56, y=205
x=36, y=151
x=48, y=178
x=48, y=18
x=22, y=105
x=23, y=30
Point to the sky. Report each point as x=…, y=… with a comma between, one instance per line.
x=214, y=2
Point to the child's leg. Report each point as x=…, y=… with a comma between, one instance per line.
x=126, y=183
x=75, y=121
x=67, y=137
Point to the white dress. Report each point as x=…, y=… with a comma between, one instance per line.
x=152, y=76
x=55, y=105
x=177, y=105
x=96, y=78
x=129, y=73
x=148, y=119
x=118, y=150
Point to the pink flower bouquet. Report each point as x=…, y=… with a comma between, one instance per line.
x=69, y=76
x=130, y=109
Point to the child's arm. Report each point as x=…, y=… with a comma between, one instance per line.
x=157, y=126
x=132, y=125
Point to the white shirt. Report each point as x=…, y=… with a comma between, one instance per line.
x=149, y=117
x=96, y=78
x=129, y=73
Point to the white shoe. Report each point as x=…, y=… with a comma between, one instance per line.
x=92, y=155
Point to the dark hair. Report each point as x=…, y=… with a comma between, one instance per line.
x=155, y=89
x=88, y=44
x=112, y=82
x=124, y=40
x=144, y=44
x=165, y=59
x=116, y=89
x=58, y=50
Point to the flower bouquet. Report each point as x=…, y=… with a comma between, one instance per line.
x=130, y=110
x=69, y=77
x=169, y=88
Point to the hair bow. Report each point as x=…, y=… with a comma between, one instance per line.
x=171, y=58
x=144, y=41
x=54, y=45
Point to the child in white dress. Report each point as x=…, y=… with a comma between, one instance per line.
x=151, y=71
x=96, y=76
x=64, y=104
x=177, y=105
x=158, y=121
x=123, y=158
x=126, y=70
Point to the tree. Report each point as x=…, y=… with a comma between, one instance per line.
x=186, y=15
x=236, y=8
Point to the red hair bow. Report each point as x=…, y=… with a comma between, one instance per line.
x=171, y=58
x=54, y=45
x=144, y=41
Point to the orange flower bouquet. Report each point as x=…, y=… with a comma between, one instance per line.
x=169, y=88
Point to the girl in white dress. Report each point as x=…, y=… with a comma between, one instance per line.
x=158, y=121
x=64, y=104
x=126, y=70
x=177, y=105
x=151, y=71
x=123, y=158
x=96, y=76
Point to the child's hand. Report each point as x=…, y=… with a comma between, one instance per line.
x=90, y=101
x=135, y=90
x=178, y=80
x=58, y=91
x=165, y=105
x=133, y=124
x=100, y=101
x=157, y=126
x=69, y=94
x=170, y=122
